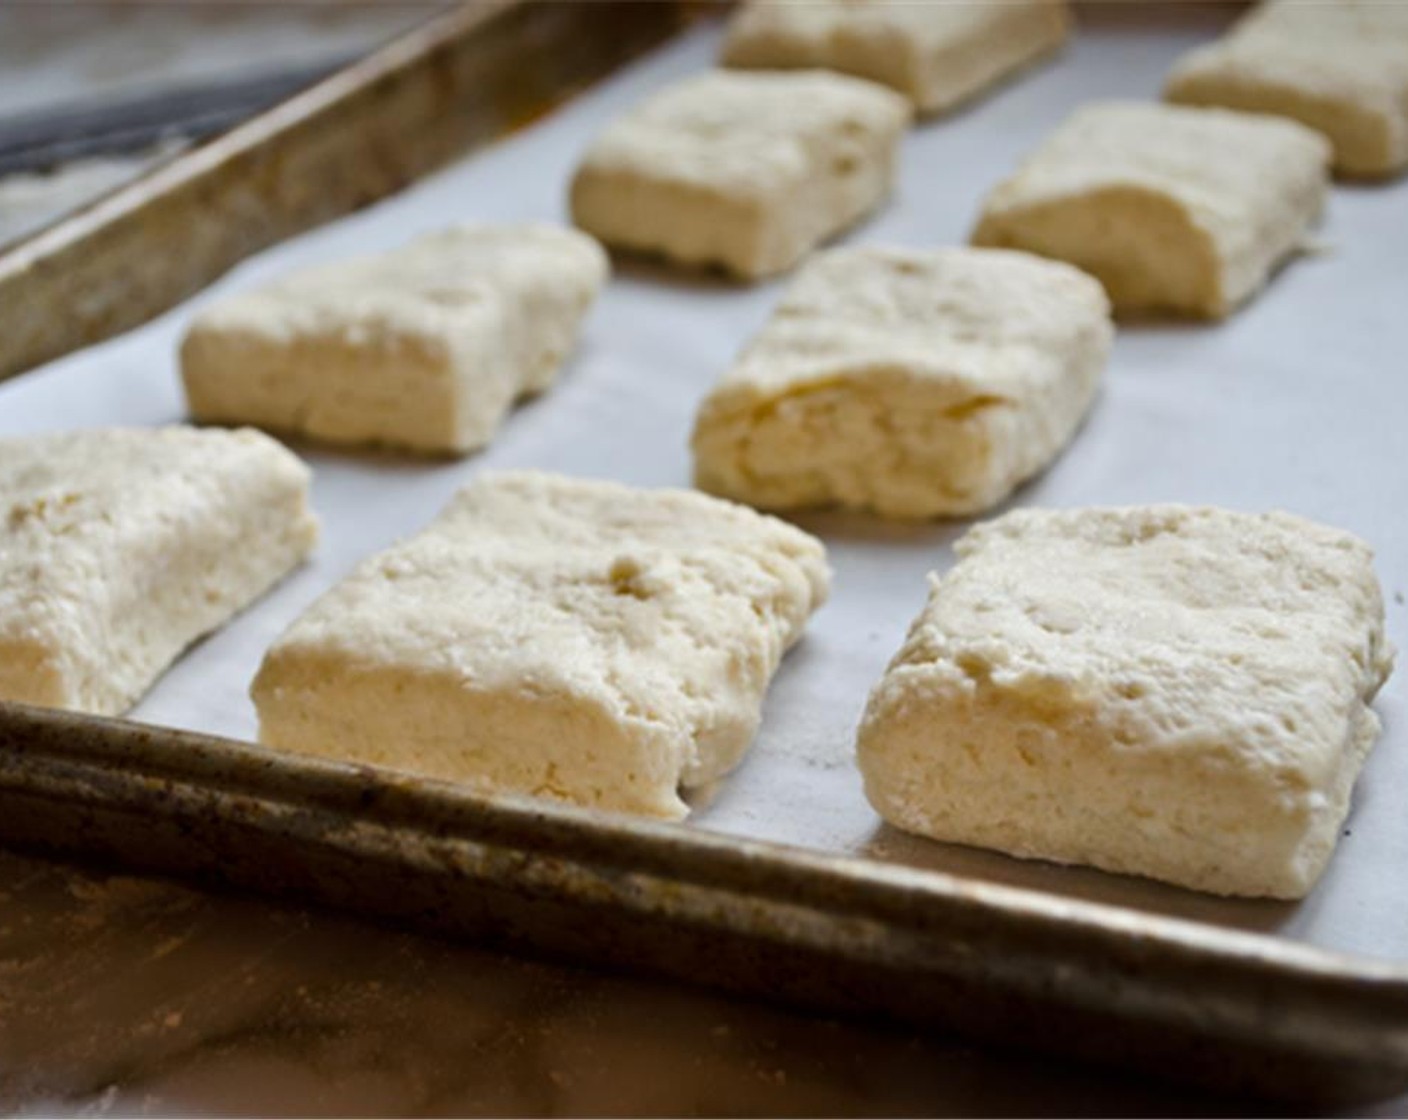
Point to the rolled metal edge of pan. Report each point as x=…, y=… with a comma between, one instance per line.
x=1235, y=1011
x=362, y=133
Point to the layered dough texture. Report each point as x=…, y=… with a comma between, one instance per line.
x=744, y=171
x=120, y=547
x=424, y=348
x=1173, y=209
x=1340, y=68
x=939, y=55
x=571, y=639
x=1181, y=693
x=909, y=383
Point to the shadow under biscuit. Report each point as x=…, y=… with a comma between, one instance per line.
x=891, y=845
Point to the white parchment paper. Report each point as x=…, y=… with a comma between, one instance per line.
x=1299, y=402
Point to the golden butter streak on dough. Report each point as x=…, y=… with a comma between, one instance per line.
x=422, y=348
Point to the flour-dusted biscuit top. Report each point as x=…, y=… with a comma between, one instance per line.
x=748, y=171
x=120, y=547
x=422, y=348
x=936, y=54
x=1341, y=68
x=911, y=383
x=1174, y=692
x=579, y=640
x=1173, y=209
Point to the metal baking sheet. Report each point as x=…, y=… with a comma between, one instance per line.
x=367, y=130
x=1294, y=403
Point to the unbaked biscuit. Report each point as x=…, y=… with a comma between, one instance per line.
x=1171, y=208
x=423, y=348
x=1173, y=692
x=578, y=640
x=1341, y=68
x=908, y=382
x=120, y=547
x=747, y=171
x=937, y=54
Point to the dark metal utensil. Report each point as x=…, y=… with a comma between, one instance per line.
x=40, y=141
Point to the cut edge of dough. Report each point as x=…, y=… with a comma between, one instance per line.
x=839, y=427
x=1030, y=34
x=216, y=367
x=1107, y=233
x=902, y=765
x=1366, y=144
x=494, y=741
x=653, y=231
x=745, y=49
x=1036, y=34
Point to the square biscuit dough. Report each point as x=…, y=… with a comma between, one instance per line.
x=1180, y=693
x=1340, y=68
x=423, y=348
x=906, y=382
x=577, y=640
x=1171, y=208
x=123, y=546
x=748, y=171
x=936, y=54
